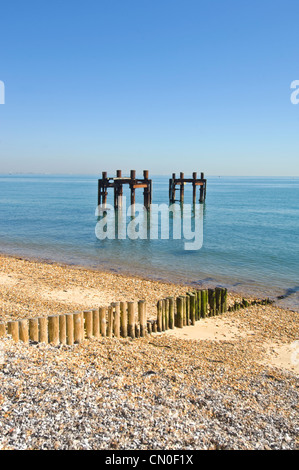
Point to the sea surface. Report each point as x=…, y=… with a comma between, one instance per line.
x=250, y=232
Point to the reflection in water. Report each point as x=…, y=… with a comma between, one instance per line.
x=159, y=222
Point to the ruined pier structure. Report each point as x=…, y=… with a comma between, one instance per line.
x=117, y=182
x=181, y=181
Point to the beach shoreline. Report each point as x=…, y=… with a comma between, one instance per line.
x=216, y=385
x=60, y=292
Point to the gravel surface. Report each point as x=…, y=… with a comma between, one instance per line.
x=158, y=392
x=149, y=393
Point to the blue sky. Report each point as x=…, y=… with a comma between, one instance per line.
x=163, y=85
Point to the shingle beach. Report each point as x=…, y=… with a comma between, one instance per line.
x=230, y=384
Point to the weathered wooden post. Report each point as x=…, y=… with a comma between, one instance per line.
x=202, y=188
x=124, y=319
x=171, y=312
x=194, y=175
x=87, y=316
x=43, y=330
x=96, y=323
x=188, y=317
x=69, y=319
x=132, y=183
x=62, y=329
x=182, y=188
x=110, y=322
x=198, y=310
x=204, y=303
x=154, y=326
x=131, y=319
x=103, y=323
x=2, y=330
x=224, y=300
x=118, y=190
x=33, y=329
x=24, y=331
x=192, y=309
x=53, y=329
x=147, y=190
x=180, y=312
x=149, y=327
x=159, y=316
x=218, y=300
x=78, y=327
x=142, y=317
x=137, y=329
x=116, y=321
x=212, y=301
x=166, y=313
x=13, y=330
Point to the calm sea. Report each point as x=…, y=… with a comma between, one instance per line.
x=250, y=232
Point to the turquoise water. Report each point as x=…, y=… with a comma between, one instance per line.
x=250, y=232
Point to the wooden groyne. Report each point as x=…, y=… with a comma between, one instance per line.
x=124, y=319
x=119, y=319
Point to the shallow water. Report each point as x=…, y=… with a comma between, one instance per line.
x=250, y=232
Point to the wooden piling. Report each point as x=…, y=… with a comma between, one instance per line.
x=212, y=301
x=142, y=317
x=110, y=322
x=154, y=326
x=133, y=177
x=194, y=175
x=53, y=329
x=180, y=312
x=188, y=316
x=198, y=309
x=78, y=327
x=165, y=307
x=13, y=330
x=124, y=319
x=137, y=330
x=62, y=329
x=171, y=312
x=224, y=300
x=159, y=316
x=218, y=300
x=2, y=330
x=131, y=319
x=116, y=319
x=103, y=322
x=192, y=309
x=23, y=331
x=182, y=188
x=69, y=319
x=33, y=329
x=88, y=327
x=96, y=323
x=202, y=189
x=149, y=327
x=204, y=303
x=43, y=330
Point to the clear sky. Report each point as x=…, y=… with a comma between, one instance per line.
x=164, y=85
